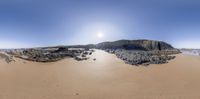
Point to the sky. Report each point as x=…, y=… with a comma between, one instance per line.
x=35, y=23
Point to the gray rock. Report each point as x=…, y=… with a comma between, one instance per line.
x=142, y=57
x=144, y=45
x=49, y=54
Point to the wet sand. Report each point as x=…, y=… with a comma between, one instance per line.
x=106, y=78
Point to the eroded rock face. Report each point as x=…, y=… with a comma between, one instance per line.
x=145, y=45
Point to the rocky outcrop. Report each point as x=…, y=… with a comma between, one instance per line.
x=144, y=45
x=135, y=52
x=50, y=54
x=142, y=57
x=140, y=52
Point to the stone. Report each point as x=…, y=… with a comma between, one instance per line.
x=142, y=57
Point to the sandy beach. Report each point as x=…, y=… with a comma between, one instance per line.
x=106, y=78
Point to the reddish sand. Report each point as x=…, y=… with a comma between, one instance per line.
x=106, y=78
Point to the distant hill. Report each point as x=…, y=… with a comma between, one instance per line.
x=146, y=45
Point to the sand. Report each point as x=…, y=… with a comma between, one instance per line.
x=106, y=78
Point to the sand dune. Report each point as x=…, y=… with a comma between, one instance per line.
x=106, y=78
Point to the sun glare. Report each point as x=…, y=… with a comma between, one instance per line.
x=100, y=35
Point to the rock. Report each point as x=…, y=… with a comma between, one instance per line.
x=133, y=52
x=6, y=57
x=83, y=55
x=92, y=50
x=138, y=52
x=49, y=54
x=142, y=57
x=78, y=58
x=144, y=45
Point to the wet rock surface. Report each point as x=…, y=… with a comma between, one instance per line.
x=137, y=57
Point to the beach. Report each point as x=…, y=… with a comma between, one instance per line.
x=107, y=77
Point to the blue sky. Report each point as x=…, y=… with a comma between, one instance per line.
x=32, y=23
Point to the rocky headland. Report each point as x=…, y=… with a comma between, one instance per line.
x=134, y=52
x=140, y=52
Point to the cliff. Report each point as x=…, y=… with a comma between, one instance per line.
x=144, y=45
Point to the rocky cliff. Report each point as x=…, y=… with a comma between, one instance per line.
x=139, y=52
x=144, y=45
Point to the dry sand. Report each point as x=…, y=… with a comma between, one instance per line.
x=105, y=78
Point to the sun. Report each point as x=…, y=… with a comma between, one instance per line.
x=100, y=35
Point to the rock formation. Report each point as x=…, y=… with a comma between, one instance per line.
x=145, y=45
x=140, y=52
x=141, y=57
x=135, y=52
x=50, y=54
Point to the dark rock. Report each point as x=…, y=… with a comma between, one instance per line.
x=83, y=55
x=138, y=52
x=142, y=57
x=143, y=45
x=49, y=54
